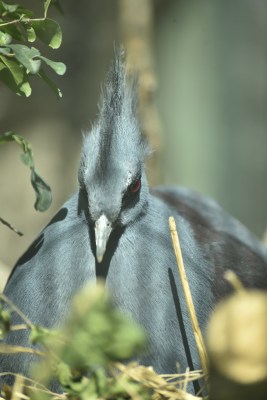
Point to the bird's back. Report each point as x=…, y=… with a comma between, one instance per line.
x=225, y=242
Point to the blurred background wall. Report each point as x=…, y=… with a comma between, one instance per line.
x=210, y=59
x=212, y=64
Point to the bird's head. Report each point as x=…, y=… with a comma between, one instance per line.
x=111, y=174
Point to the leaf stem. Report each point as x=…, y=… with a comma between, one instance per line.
x=22, y=19
x=4, y=222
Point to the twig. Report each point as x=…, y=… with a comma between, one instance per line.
x=16, y=309
x=17, y=390
x=18, y=327
x=22, y=19
x=188, y=298
x=4, y=222
x=12, y=349
x=36, y=386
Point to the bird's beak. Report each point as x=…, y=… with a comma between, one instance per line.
x=103, y=229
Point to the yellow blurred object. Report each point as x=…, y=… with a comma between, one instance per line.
x=237, y=346
x=4, y=273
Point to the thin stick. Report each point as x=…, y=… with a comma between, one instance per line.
x=188, y=298
x=11, y=226
x=13, y=349
x=18, y=327
x=15, y=308
x=18, y=388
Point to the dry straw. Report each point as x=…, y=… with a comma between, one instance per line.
x=188, y=297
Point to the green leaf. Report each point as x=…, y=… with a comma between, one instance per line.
x=26, y=88
x=58, y=67
x=96, y=333
x=64, y=374
x=22, y=12
x=25, y=55
x=42, y=335
x=4, y=322
x=50, y=83
x=31, y=35
x=42, y=190
x=14, y=11
x=49, y=32
x=2, y=65
x=10, y=8
x=27, y=159
x=13, y=137
x=4, y=50
x=7, y=78
x=5, y=38
x=14, y=68
x=14, y=31
x=14, y=76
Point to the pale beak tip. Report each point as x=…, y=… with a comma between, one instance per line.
x=99, y=258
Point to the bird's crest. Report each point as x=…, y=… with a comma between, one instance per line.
x=118, y=103
x=116, y=90
x=116, y=138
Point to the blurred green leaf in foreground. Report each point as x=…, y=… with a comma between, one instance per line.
x=89, y=356
x=95, y=336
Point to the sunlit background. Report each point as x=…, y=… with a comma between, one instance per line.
x=210, y=60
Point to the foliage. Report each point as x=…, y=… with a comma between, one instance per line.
x=18, y=61
x=86, y=356
x=42, y=190
x=95, y=336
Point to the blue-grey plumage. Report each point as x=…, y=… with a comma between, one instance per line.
x=116, y=228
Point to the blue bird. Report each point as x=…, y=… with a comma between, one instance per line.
x=115, y=227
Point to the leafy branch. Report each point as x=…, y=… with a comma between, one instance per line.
x=18, y=62
x=41, y=188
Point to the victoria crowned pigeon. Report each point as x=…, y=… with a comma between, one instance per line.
x=115, y=227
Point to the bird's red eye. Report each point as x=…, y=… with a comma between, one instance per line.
x=135, y=186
